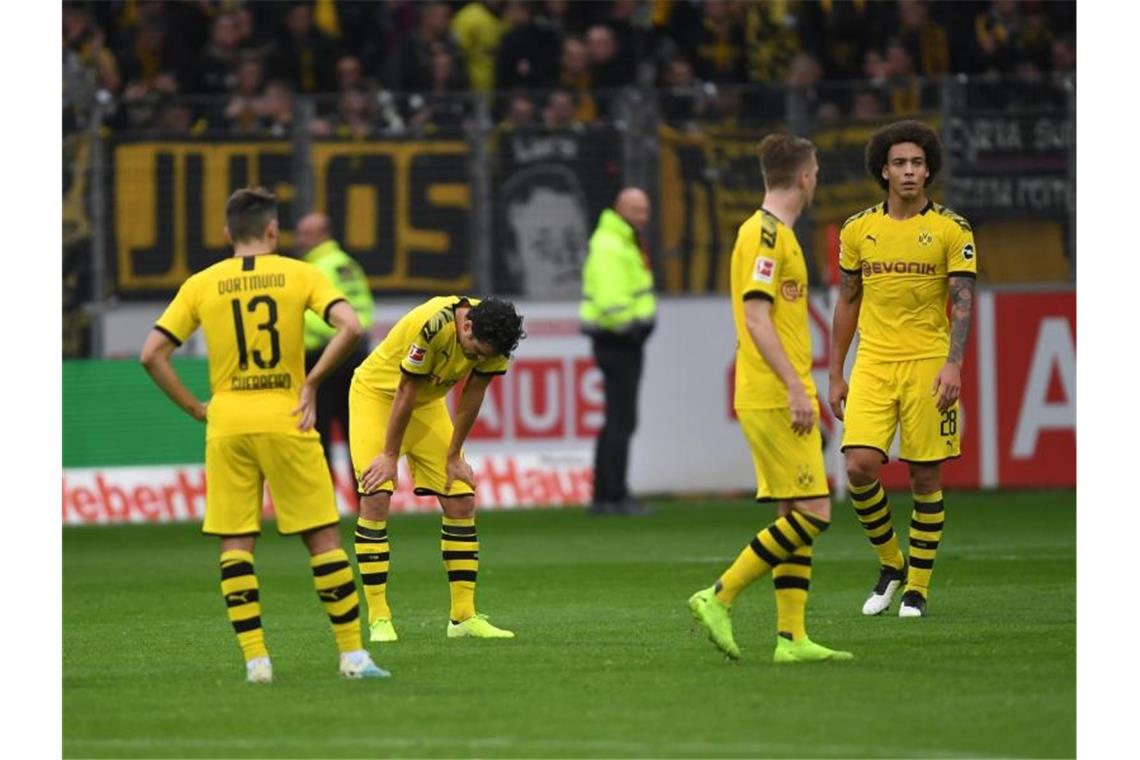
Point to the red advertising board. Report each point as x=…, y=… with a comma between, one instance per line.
x=1036, y=389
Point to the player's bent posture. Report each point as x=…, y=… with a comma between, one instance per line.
x=898, y=260
x=260, y=417
x=777, y=407
x=397, y=406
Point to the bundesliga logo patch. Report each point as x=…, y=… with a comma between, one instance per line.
x=416, y=354
x=765, y=268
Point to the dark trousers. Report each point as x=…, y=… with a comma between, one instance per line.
x=332, y=398
x=620, y=360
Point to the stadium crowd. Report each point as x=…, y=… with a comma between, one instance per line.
x=389, y=67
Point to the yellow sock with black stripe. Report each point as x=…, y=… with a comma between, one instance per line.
x=925, y=534
x=372, y=552
x=874, y=512
x=243, y=605
x=792, y=580
x=336, y=586
x=459, y=545
x=768, y=549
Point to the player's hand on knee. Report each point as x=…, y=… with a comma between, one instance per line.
x=458, y=469
x=836, y=396
x=382, y=468
x=948, y=385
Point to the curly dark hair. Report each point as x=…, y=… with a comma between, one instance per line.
x=495, y=322
x=909, y=131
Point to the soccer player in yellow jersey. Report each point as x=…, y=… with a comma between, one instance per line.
x=396, y=407
x=898, y=261
x=776, y=402
x=260, y=416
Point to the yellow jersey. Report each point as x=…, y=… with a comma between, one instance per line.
x=252, y=310
x=905, y=266
x=767, y=262
x=424, y=343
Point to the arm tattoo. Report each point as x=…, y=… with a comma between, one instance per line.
x=851, y=285
x=961, y=314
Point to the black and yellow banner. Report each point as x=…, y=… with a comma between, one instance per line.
x=401, y=208
x=711, y=182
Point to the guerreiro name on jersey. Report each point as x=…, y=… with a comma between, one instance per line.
x=905, y=267
x=424, y=344
x=252, y=310
x=767, y=262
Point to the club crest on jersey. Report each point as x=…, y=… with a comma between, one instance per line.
x=416, y=354
x=925, y=238
x=791, y=290
x=764, y=270
x=968, y=251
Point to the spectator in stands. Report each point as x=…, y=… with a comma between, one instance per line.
x=771, y=40
x=350, y=75
x=275, y=108
x=445, y=104
x=150, y=72
x=828, y=113
x=410, y=65
x=303, y=55
x=840, y=33
x=560, y=111
x=802, y=81
x=87, y=60
x=366, y=31
x=607, y=73
x=174, y=119
x=558, y=17
x=719, y=53
x=528, y=52
x=241, y=111
x=926, y=41
x=575, y=77
x=867, y=105
x=683, y=99
x=520, y=113
x=995, y=32
x=904, y=90
x=478, y=29
x=1035, y=42
x=213, y=71
x=626, y=35
x=1063, y=55
x=354, y=115
x=149, y=55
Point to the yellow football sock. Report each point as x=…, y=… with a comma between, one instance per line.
x=768, y=549
x=925, y=534
x=372, y=552
x=874, y=512
x=792, y=580
x=459, y=545
x=243, y=605
x=336, y=586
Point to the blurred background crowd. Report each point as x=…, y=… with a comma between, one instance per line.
x=399, y=67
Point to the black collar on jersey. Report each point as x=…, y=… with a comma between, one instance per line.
x=929, y=205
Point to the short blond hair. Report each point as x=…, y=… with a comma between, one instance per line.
x=782, y=157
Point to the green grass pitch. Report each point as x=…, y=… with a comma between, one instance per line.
x=607, y=661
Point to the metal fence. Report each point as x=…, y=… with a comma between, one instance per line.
x=461, y=192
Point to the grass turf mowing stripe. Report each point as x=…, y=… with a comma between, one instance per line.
x=606, y=661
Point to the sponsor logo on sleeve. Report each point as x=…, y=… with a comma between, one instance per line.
x=764, y=270
x=792, y=290
x=416, y=354
x=968, y=251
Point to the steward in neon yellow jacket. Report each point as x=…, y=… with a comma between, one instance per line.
x=617, y=284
